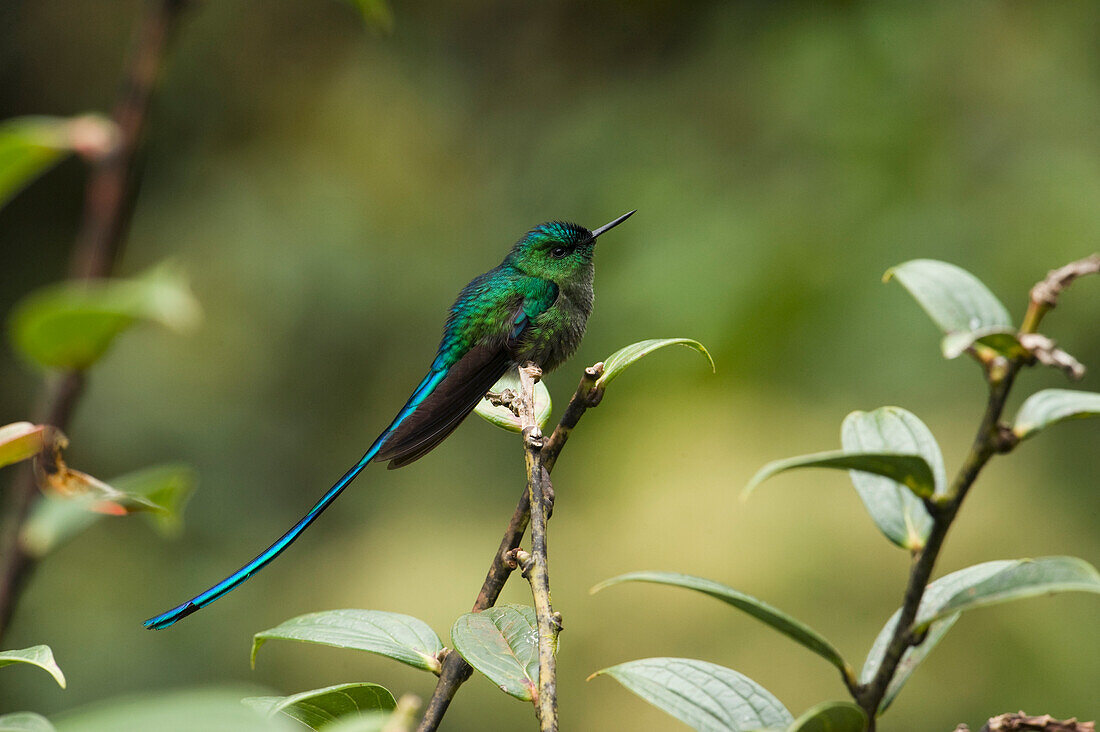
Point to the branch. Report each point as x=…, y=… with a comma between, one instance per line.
x=108, y=199
x=988, y=442
x=538, y=574
x=456, y=671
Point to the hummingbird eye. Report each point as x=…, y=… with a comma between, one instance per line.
x=559, y=252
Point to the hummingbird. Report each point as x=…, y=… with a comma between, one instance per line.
x=533, y=306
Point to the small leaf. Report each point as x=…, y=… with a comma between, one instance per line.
x=400, y=637
x=910, y=470
x=982, y=584
x=708, y=697
x=208, y=710
x=617, y=362
x=1050, y=406
x=20, y=441
x=1021, y=579
x=1002, y=340
x=54, y=521
x=957, y=301
x=502, y=642
x=504, y=417
x=898, y=513
x=831, y=716
x=40, y=656
x=319, y=707
x=25, y=722
x=763, y=612
x=29, y=146
x=72, y=324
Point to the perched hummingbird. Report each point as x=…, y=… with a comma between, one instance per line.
x=533, y=306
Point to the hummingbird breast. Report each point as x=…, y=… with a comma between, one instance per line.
x=554, y=335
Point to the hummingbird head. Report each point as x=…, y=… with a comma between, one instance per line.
x=558, y=251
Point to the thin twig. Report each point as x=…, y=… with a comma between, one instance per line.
x=456, y=671
x=538, y=574
x=108, y=198
x=988, y=442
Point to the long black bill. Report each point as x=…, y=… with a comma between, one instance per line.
x=613, y=224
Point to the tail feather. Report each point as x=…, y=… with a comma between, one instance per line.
x=203, y=599
x=169, y=618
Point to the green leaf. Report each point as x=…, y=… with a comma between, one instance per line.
x=1051, y=406
x=400, y=637
x=40, y=656
x=20, y=441
x=912, y=471
x=617, y=362
x=502, y=642
x=982, y=584
x=53, y=521
x=208, y=710
x=763, y=612
x=369, y=722
x=957, y=301
x=29, y=146
x=505, y=418
x=319, y=707
x=708, y=697
x=70, y=325
x=831, y=716
x=25, y=722
x=376, y=14
x=1004, y=341
x=1022, y=578
x=898, y=513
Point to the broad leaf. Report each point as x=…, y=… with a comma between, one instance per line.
x=319, y=707
x=400, y=637
x=29, y=146
x=502, y=642
x=1050, y=406
x=957, y=301
x=762, y=611
x=70, y=325
x=898, y=513
x=1022, y=578
x=505, y=418
x=208, y=710
x=25, y=722
x=982, y=584
x=54, y=521
x=41, y=656
x=617, y=362
x=831, y=717
x=708, y=697
x=912, y=471
x=20, y=441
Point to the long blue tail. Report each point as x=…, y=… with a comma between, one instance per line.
x=234, y=580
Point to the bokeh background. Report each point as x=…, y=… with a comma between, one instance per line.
x=329, y=190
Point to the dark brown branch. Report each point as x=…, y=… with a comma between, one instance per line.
x=456, y=671
x=988, y=441
x=108, y=198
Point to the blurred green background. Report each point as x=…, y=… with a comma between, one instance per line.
x=329, y=190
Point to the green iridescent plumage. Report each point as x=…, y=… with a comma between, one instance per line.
x=532, y=307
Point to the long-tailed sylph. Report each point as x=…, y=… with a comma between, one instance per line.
x=533, y=306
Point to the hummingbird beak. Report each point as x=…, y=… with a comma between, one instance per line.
x=613, y=224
